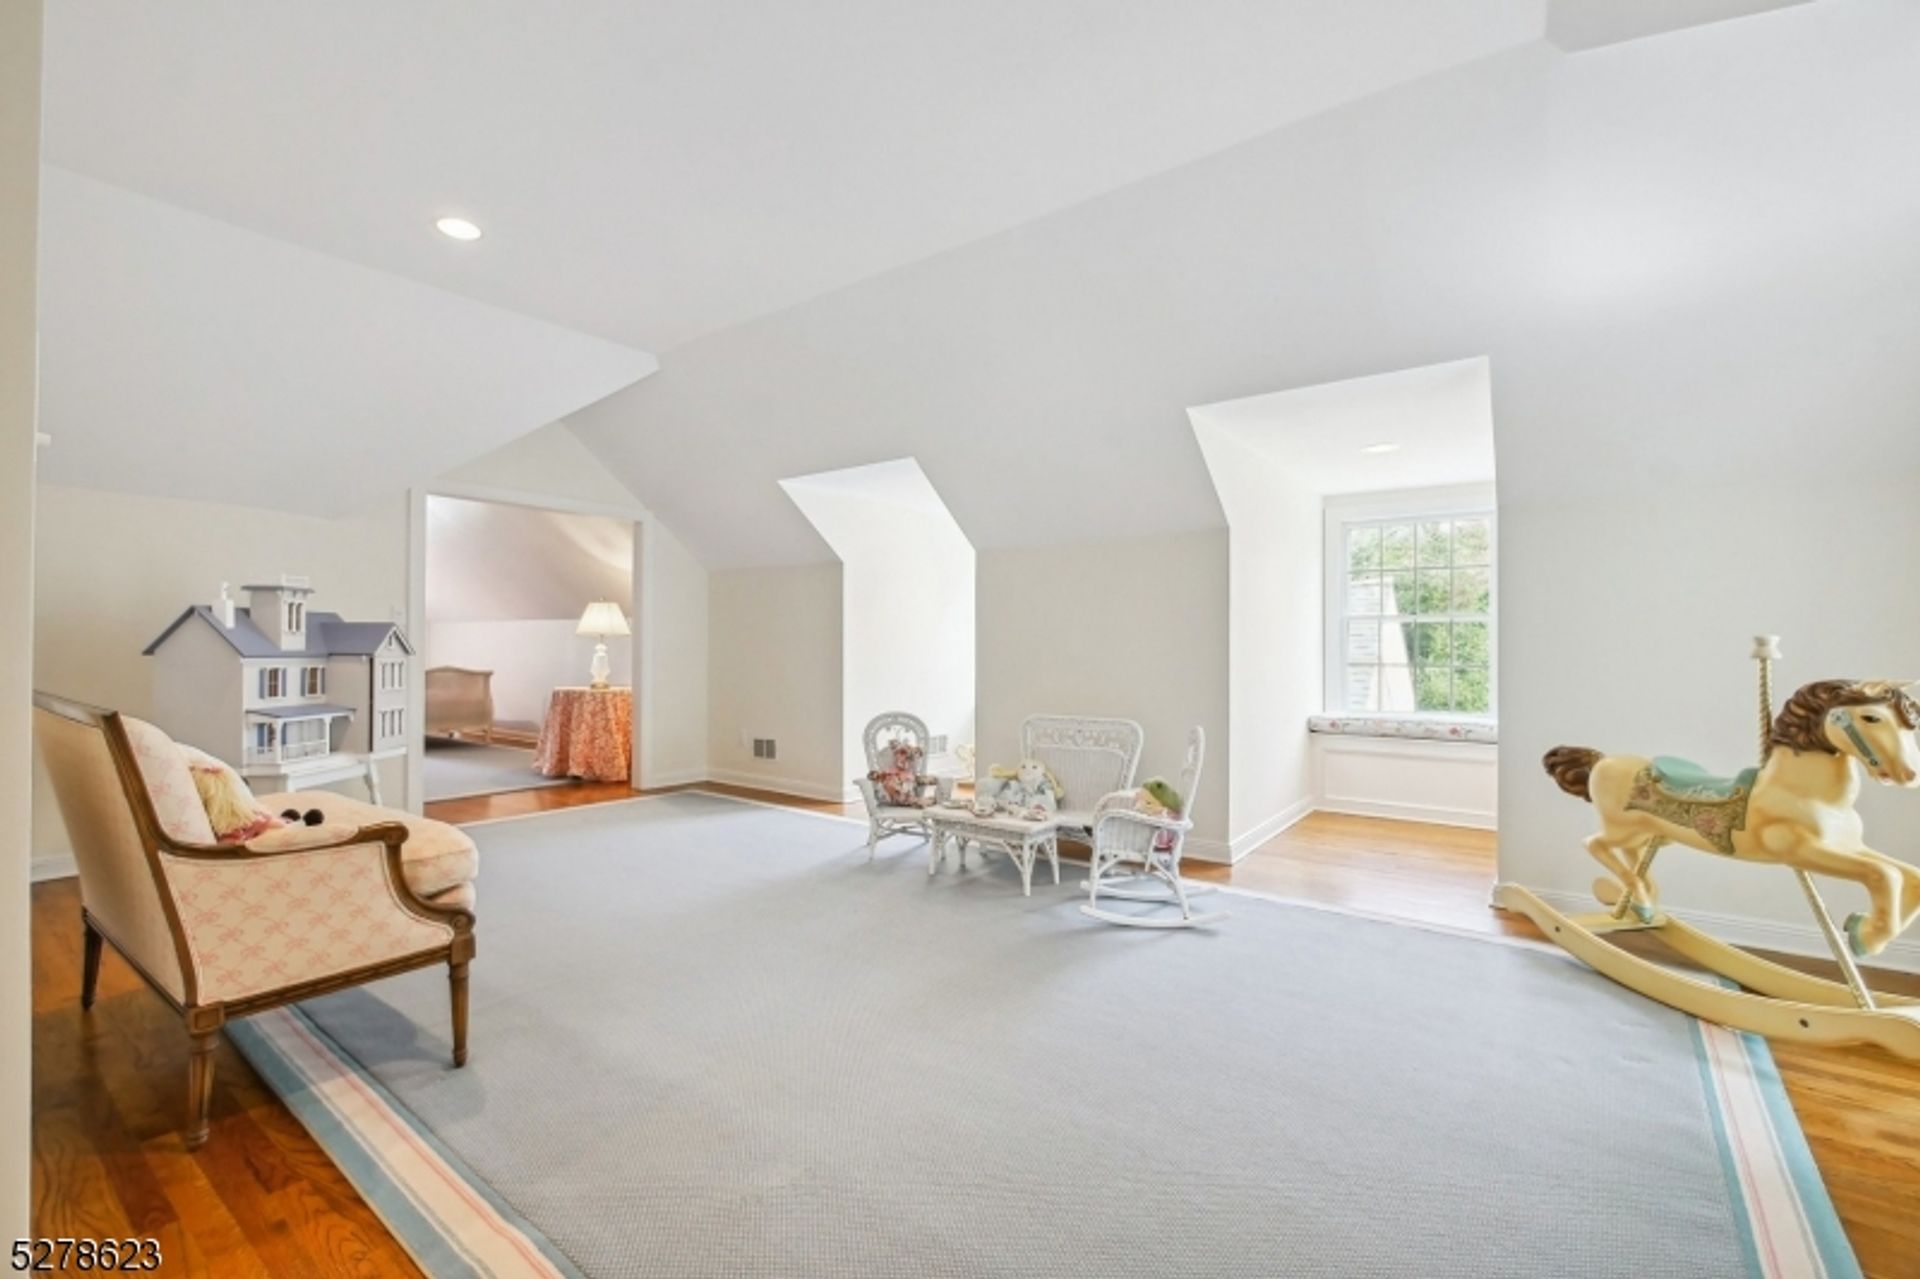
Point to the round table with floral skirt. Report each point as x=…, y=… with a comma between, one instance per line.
x=588, y=734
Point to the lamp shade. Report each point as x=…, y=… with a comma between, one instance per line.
x=603, y=617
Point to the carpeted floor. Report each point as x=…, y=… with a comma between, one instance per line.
x=710, y=1039
x=456, y=769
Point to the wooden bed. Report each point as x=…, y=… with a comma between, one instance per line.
x=459, y=701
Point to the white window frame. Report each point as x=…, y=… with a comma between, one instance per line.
x=313, y=681
x=1452, y=501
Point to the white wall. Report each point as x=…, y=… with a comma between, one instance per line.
x=114, y=569
x=529, y=659
x=775, y=671
x=1135, y=629
x=907, y=589
x=1626, y=627
x=1452, y=783
x=19, y=186
x=671, y=739
x=1274, y=630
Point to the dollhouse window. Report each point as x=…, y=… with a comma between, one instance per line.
x=296, y=616
x=313, y=681
x=273, y=682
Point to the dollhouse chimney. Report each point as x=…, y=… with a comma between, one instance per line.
x=279, y=611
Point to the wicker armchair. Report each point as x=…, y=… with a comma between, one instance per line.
x=1136, y=855
x=223, y=930
x=884, y=819
x=1091, y=758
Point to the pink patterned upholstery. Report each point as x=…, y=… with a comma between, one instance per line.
x=255, y=925
x=176, y=801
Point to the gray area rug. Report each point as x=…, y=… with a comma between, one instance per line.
x=457, y=769
x=711, y=1039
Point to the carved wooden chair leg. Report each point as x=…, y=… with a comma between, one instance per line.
x=457, y=983
x=200, y=1088
x=90, y=970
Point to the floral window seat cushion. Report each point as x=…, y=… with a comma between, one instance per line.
x=1414, y=729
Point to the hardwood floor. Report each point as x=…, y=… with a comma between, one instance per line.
x=262, y=1198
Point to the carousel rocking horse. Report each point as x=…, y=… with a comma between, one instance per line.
x=1795, y=809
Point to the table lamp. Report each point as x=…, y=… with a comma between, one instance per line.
x=602, y=618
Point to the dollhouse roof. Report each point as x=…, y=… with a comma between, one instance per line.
x=328, y=635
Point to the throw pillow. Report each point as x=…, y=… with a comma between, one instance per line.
x=231, y=809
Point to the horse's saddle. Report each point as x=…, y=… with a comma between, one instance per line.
x=1684, y=780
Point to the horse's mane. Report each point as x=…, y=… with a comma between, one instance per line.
x=1801, y=724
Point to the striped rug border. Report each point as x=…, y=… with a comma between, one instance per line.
x=449, y=1220
x=455, y=1224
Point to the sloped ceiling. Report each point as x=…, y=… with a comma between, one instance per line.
x=653, y=170
x=1690, y=253
x=1689, y=256
x=1438, y=420
x=494, y=562
x=183, y=357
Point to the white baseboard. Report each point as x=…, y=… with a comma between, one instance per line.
x=784, y=785
x=56, y=866
x=1743, y=930
x=1230, y=851
x=1408, y=812
x=678, y=777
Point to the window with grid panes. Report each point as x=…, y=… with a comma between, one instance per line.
x=1417, y=616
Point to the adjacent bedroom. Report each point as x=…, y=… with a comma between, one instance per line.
x=529, y=654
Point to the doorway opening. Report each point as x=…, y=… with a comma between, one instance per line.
x=528, y=648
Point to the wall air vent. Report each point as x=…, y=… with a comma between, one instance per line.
x=763, y=748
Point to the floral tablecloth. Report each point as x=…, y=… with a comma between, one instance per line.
x=588, y=734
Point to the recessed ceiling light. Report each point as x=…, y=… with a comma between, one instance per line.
x=458, y=229
x=1386, y=446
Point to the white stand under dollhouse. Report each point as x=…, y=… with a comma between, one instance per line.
x=294, y=700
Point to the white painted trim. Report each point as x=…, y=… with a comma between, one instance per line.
x=1409, y=812
x=538, y=500
x=56, y=866
x=1407, y=747
x=643, y=610
x=644, y=641
x=684, y=777
x=1743, y=930
x=784, y=785
x=1232, y=850
x=1361, y=508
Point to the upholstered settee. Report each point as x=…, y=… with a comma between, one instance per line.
x=224, y=930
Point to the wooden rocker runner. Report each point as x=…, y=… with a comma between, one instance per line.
x=1797, y=810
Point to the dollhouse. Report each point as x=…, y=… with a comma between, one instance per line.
x=290, y=697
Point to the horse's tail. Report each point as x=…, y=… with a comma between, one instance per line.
x=1572, y=768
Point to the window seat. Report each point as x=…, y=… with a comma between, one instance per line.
x=1423, y=728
